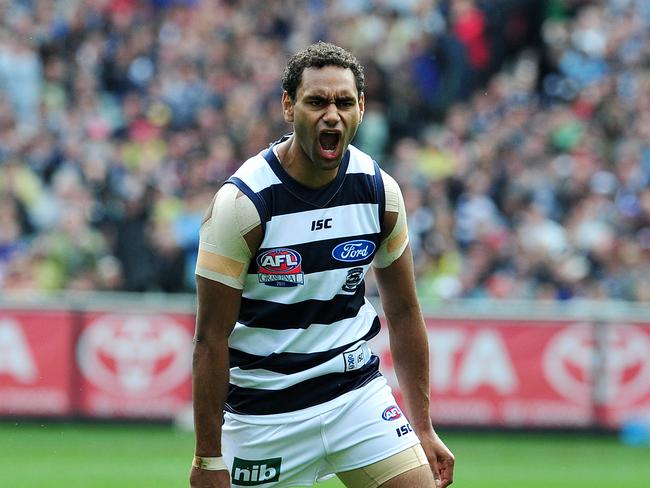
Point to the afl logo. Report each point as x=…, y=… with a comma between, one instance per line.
x=392, y=413
x=352, y=251
x=280, y=267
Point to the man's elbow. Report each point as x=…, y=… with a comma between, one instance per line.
x=400, y=310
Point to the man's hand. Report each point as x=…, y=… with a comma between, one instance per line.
x=440, y=459
x=203, y=478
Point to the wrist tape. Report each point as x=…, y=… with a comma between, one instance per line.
x=209, y=463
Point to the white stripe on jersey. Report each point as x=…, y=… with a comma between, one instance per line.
x=269, y=380
x=257, y=174
x=360, y=162
x=316, y=338
x=317, y=286
x=346, y=220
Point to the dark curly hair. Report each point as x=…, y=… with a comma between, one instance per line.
x=317, y=56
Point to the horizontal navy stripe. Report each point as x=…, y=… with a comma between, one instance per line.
x=357, y=188
x=253, y=401
x=317, y=256
x=291, y=362
x=278, y=316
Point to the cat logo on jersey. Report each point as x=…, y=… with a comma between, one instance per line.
x=280, y=267
x=353, y=279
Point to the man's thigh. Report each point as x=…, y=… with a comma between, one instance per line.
x=406, y=469
x=421, y=477
x=367, y=430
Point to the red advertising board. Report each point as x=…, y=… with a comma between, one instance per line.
x=505, y=372
x=35, y=366
x=625, y=373
x=532, y=373
x=135, y=364
x=502, y=372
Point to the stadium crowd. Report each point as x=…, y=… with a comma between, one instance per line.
x=519, y=131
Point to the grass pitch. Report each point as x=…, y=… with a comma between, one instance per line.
x=61, y=455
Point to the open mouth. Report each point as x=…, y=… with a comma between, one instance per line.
x=329, y=143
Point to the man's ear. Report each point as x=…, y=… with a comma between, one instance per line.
x=362, y=106
x=287, y=107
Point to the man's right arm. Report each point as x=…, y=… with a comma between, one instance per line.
x=230, y=234
x=218, y=307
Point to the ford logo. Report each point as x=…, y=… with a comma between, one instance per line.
x=352, y=251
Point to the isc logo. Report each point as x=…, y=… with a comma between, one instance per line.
x=403, y=429
x=321, y=224
x=256, y=472
x=392, y=413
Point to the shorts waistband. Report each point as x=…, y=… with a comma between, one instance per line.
x=300, y=415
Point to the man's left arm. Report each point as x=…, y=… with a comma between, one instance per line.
x=410, y=351
x=393, y=265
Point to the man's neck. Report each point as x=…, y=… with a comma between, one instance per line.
x=297, y=165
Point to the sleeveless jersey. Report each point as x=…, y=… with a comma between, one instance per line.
x=302, y=332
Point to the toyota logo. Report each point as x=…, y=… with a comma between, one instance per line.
x=135, y=354
x=568, y=363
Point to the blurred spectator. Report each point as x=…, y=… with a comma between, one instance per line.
x=20, y=73
x=519, y=131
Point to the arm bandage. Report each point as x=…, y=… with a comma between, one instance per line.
x=224, y=255
x=395, y=243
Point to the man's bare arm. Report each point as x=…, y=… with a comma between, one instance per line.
x=224, y=256
x=218, y=307
x=410, y=350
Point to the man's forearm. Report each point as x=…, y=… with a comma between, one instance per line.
x=410, y=352
x=408, y=338
x=210, y=387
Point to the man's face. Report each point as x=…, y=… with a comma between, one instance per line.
x=325, y=114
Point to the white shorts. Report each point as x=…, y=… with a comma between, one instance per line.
x=361, y=427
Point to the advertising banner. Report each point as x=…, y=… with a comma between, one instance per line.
x=35, y=366
x=484, y=372
x=623, y=392
x=135, y=364
x=506, y=372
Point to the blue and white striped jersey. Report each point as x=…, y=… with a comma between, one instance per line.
x=301, y=337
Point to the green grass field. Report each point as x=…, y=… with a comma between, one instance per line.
x=136, y=456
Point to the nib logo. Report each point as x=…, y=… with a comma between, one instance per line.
x=257, y=472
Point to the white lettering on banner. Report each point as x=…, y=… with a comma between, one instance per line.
x=483, y=361
x=106, y=406
x=444, y=345
x=476, y=410
x=544, y=412
x=487, y=362
x=16, y=358
x=34, y=400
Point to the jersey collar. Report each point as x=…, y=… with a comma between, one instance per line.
x=318, y=197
